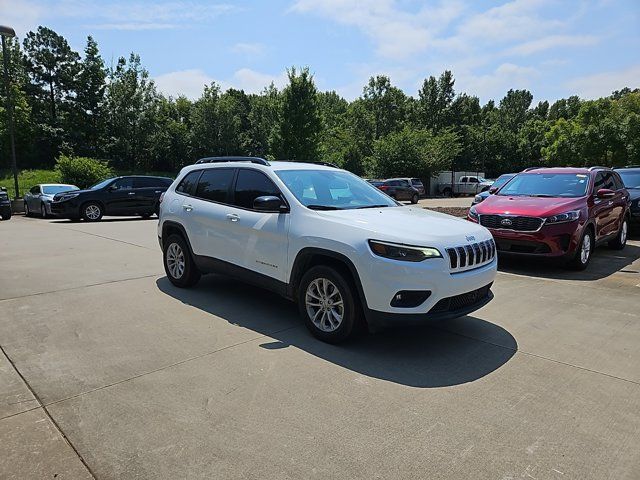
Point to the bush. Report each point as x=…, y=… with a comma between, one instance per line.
x=82, y=171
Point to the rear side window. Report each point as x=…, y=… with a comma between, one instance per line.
x=617, y=181
x=123, y=184
x=214, y=184
x=147, y=182
x=250, y=185
x=187, y=185
x=416, y=181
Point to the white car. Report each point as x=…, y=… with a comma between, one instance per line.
x=39, y=197
x=323, y=237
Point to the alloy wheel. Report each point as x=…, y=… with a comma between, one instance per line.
x=585, y=251
x=324, y=304
x=92, y=212
x=175, y=261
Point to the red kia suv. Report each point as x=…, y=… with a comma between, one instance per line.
x=557, y=212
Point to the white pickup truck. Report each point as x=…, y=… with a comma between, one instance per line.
x=465, y=185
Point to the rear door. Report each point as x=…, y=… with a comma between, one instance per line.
x=407, y=189
x=260, y=239
x=148, y=190
x=205, y=214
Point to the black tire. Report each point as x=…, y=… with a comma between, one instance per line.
x=43, y=210
x=351, y=309
x=578, y=262
x=27, y=213
x=446, y=192
x=415, y=198
x=620, y=241
x=189, y=276
x=146, y=215
x=6, y=215
x=89, y=212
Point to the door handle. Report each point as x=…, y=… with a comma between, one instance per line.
x=233, y=217
x=187, y=208
x=158, y=191
x=131, y=193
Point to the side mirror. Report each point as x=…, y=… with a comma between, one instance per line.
x=113, y=188
x=269, y=203
x=492, y=190
x=605, y=193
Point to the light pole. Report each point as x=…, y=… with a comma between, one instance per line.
x=8, y=32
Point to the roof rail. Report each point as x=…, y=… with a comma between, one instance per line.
x=629, y=166
x=258, y=160
x=533, y=168
x=326, y=164
x=595, y=167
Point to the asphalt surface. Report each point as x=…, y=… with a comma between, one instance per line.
x=107, y=371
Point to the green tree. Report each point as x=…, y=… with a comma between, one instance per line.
x=300, y=123
x=387, y=105
x=435, y=98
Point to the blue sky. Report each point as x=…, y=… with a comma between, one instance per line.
x=554, y=48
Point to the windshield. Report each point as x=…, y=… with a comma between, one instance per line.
x=631, y=178
x=333, y=190
x=547, y=185
x=53, y=189
x=102, y=184
x=502, y=179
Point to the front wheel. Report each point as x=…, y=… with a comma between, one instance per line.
x=328, y=304
x=179, y=266
x=583, y=254
x=92, y=212
x=620, y=241
x=27, y=213
x=43, y=210
x=6, y=215
x=414, y=199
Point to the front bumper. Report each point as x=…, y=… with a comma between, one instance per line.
x=382, y=279
x=65, y=209
x=553, y=241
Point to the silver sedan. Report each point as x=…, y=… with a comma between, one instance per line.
x=38, y=199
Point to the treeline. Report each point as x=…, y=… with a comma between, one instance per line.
x=74, y=105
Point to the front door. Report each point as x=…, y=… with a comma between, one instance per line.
x=259, y=239
x=603, y=207
x=120, y=197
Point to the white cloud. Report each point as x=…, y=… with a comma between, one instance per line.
x=552, y=41
x=396, y=33
x=191, y=83
x=132, y=26
x=22, y=16
x=602, y=84
x=249, y=49
x=495, y=84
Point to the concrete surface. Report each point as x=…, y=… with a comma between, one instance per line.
x=446, y=202
x=138, y=379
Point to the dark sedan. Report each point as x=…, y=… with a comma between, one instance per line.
x=495, y=186
x=120, y=196
x=5, y=204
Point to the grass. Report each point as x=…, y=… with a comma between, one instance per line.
x=29, y=178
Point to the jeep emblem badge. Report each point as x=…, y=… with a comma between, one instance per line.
x=506, y=222
x=471, y=238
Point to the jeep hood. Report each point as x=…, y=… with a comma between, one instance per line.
x=409, y=225
x=528, y=206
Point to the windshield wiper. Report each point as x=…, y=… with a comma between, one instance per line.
x=542, y=195
x=370, y=206
x=323, y=207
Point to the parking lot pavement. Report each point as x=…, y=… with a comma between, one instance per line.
x=446, y=202
x=118, y=374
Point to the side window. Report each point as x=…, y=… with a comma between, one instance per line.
x=598, y=183
x=165, y=182
x=188, y=183
x=463, y=180
x=608, y=181
x=214, y=184
x=404, y=183
x=474, y=180
x=145, y=182
x=250, y=185
x=35, y=190
x=123, y=184
x=617, y=181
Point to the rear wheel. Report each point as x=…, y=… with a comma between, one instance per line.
x=415, y=198
x=92, y=212
x=446, y=192
x=328, y=304
x=27, y=213
x=43, y=210
x=146, y=215
x=6, y=215
x=179, y=266
x=621, y=239
x=583, y=254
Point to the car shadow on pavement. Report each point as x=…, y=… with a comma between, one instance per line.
x=106, y=220
x=604, y=262
x=436, y=355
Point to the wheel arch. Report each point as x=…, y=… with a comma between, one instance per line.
x=171, y=228
x=311, y=256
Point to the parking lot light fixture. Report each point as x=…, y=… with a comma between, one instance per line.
x=8, y=32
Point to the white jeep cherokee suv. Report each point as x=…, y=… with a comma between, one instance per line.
x=323, y=237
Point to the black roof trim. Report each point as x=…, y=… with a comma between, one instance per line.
x=258, y=160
